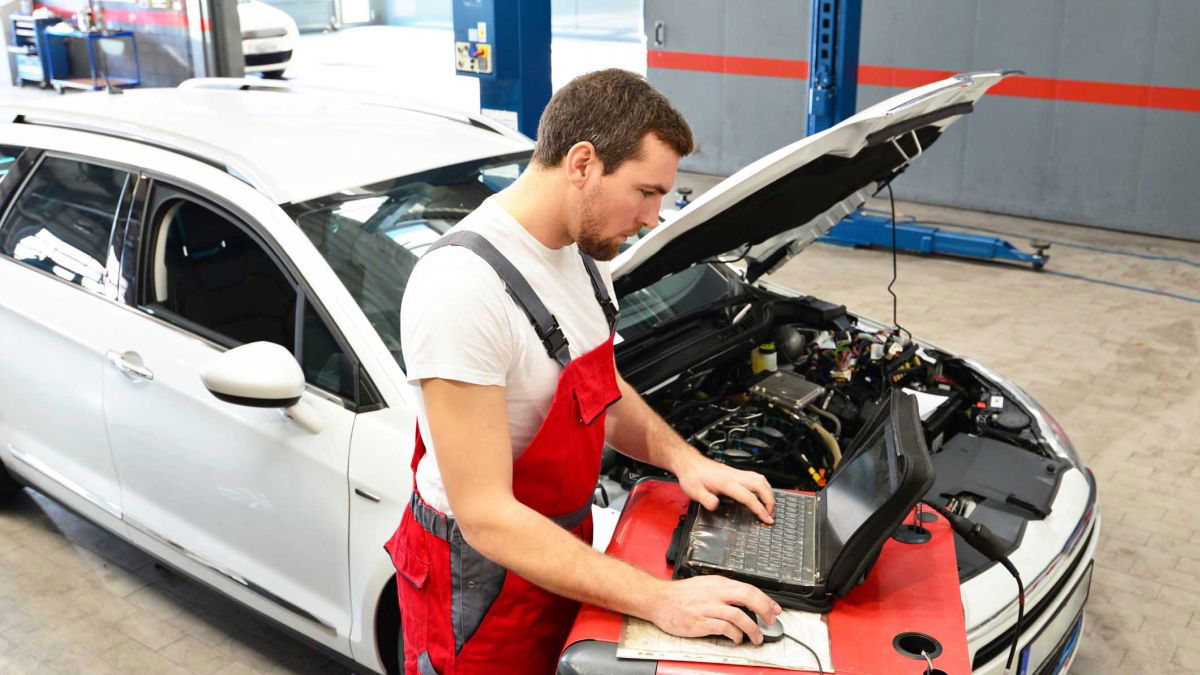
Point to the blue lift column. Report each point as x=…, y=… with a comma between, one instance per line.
x=832, y=96
x=506, y=44
x=833, y=62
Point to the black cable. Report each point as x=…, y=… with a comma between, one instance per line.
x=980, y=538
x=810, y=651
x=1012, y=649
x=895, y=269
x=731, y=260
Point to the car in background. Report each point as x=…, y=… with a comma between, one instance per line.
x=269, y=36
x=210, y=365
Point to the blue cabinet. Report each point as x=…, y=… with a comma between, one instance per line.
x=33, y=54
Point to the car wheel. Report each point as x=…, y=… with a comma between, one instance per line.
x=399, y=649
x=9, y=487
x=389, y=632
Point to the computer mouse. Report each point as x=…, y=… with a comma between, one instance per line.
x=772, y=632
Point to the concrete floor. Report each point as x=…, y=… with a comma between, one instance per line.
x=1119, y=368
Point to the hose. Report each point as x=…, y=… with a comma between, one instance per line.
x=830, y=443
x=837, y=424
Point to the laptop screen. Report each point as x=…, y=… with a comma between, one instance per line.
x=861, y=486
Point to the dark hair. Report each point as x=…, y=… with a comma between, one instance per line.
x=613, y=109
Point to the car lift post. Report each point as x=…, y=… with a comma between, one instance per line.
x=506, y=45
x=832, y=94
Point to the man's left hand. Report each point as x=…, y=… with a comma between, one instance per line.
x=705, y=481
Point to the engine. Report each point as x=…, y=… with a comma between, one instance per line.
x=787, y=397
x=765, y=428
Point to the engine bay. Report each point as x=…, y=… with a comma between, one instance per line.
x=787, y=395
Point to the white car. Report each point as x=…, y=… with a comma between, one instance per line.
x=269, y=36
x=200, y=322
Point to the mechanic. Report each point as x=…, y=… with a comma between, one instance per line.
x=518, y=392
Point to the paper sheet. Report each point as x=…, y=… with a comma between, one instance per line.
x=926, y=403
x=643, y=640
x=604, y=523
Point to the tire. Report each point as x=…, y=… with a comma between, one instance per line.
x=399, y=649
x=389, y=632
x=9, y=487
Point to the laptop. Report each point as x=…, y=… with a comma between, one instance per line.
x=822, y=544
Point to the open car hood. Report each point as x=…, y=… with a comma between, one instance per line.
x=778, y=205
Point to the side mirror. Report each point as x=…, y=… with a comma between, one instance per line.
x=259, y=375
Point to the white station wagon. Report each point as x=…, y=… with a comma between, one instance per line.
x=199, y=306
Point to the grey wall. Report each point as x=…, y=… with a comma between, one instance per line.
x=736, y=118
x=1115, y=166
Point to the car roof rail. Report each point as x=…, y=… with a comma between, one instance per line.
x=162, y=138
x=370, y=98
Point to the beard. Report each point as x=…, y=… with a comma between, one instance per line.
x=591, y=240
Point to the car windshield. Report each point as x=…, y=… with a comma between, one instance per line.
x=673, y=296
x=372, y=237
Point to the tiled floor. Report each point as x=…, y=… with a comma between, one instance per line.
x=1119, y=368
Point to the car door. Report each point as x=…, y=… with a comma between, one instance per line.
x=246, y=498
x=57, y=266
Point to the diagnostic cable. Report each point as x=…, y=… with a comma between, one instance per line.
x=797, y=640
x=980, y=538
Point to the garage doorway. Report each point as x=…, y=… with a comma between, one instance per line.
x=356, y=12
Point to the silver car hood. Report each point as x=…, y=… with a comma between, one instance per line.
x=778, y=205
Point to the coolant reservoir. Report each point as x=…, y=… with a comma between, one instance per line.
x=764, y=358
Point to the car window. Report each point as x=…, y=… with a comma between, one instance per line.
x=210, y=275
x=213, y=275
x=372, y=236
x=8, y=158
x=63, y=220
x=324, y=363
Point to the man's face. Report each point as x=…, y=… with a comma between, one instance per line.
x=616, y=206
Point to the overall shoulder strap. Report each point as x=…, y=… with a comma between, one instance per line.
x=544, y=323
x=601, y=291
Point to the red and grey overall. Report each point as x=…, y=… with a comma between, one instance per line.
x=461, y=612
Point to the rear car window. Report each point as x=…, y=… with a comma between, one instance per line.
x=62, y=221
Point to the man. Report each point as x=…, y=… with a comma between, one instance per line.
x=507, y=328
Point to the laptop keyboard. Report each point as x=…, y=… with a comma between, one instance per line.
x=783, y=551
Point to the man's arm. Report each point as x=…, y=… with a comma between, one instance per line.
x=639, y=432
x=469, y=424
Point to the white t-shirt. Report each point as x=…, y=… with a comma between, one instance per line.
x=458, y=323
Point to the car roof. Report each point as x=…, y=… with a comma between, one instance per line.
x=292, y=145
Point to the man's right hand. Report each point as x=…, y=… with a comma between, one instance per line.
x=710, y=605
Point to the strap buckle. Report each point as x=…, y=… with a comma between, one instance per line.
x=610, y=313
x=553, y=338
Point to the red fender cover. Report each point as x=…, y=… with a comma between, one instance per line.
x=912, y=588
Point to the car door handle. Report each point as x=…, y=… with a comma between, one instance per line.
x=131, y=364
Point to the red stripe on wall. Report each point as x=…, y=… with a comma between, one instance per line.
x=1076, y=91
x=728, y=65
